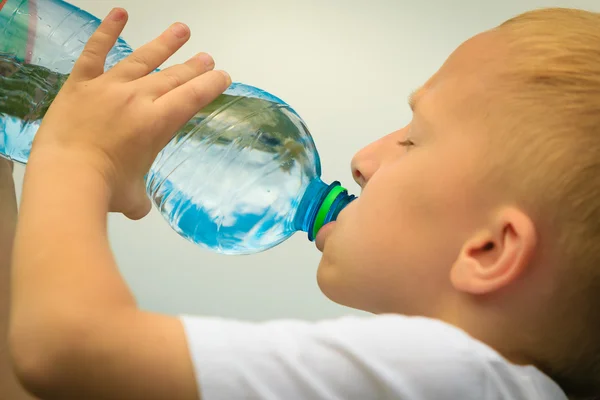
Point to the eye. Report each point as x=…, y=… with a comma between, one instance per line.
x=406, y=143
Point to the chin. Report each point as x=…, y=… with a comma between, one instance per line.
x=330, y=280
x=335, y=285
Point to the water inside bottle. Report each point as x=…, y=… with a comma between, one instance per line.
x=26, y=92
x=232, y=178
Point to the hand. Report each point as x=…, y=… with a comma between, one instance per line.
x=115, y=123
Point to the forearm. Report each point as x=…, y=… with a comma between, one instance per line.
x=62, y=253
x=62, y=236
x=67, y=291
x=76, y=331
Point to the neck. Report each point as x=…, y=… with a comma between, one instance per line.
x=490, y=323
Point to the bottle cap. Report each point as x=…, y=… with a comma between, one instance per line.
x=326, y=207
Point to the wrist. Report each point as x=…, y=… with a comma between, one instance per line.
x=68, y=173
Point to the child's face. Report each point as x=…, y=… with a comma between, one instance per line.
x=391, y=250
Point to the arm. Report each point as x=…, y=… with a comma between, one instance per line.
x=76, y=330
x=9, y=386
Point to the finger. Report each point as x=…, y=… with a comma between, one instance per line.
x=90, y=63
x=181, y=104
x=177, y=75
x=150, y=56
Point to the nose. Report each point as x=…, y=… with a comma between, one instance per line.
x=362, y=169
x=368, y=160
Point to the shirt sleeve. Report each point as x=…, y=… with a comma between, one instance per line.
x=382, y=357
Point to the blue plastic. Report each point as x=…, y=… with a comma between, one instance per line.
x=242, y=176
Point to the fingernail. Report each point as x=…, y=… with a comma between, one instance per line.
x=207, y=60
x=117, y=14
x=179, y=30
x=226, y=77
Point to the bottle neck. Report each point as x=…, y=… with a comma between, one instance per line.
x=320, y=204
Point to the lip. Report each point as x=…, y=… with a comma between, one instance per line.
x=322, y=235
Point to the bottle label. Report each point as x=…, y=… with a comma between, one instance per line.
x=19, y=19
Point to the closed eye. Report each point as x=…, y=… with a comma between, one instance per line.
x=406, y=143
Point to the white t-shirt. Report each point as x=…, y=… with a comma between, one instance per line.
x=380, y=357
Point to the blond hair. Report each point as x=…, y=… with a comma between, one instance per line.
x=553, y=70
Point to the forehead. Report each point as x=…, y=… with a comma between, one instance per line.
x=468, y=80
x=483, y=52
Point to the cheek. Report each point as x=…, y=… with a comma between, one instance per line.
x=363, y=262
x=353, y=263
x=393, y=248
x=427, y=199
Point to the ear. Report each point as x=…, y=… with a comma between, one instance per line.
x=497, y=255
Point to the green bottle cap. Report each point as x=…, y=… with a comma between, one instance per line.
x=325, y=208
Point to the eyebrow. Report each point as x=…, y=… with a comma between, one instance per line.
x=414, y=97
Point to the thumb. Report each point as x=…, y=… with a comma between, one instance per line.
x=138, y=204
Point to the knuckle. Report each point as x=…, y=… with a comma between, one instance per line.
x=197, y=93
x=163, y=46
x=129, y=97
x=90, y=51
x=173, y=80
x=102, y=36
x=192, y=70
x=97, y=43
x=138, y=59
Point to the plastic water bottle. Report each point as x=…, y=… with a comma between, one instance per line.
x=240, y=177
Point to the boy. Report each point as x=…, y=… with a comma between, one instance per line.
x=475, y=237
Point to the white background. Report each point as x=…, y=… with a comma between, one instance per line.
x=346, y=66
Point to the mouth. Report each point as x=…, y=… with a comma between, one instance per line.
x=323, y=234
